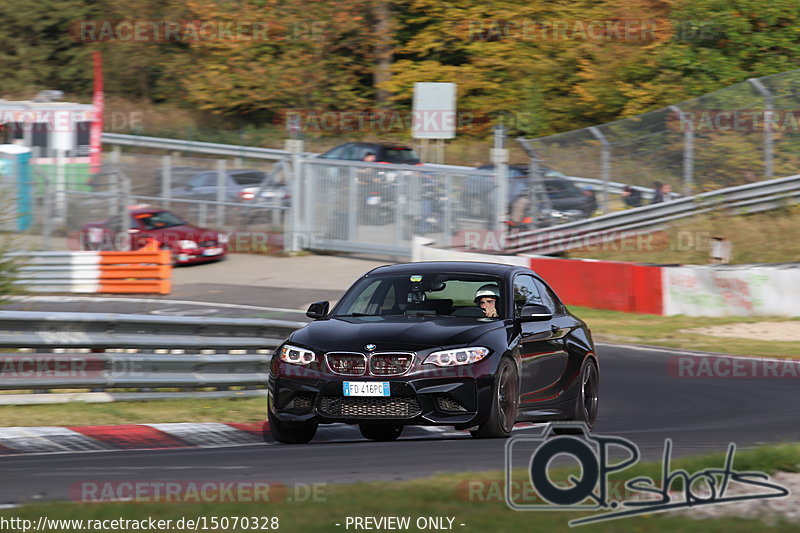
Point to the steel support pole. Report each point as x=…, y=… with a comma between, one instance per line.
x=605, y=166
x=222, y=187
x=769, y=110
x=166, y=179
x=688, y=150
x=500, y=161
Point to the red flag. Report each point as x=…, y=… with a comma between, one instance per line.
x=98, y=101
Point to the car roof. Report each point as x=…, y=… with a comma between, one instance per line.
x=471, y=267
x=384, y=145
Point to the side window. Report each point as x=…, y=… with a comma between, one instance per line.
x=204, y=179
x=338, y=152
x=549, y=298
x=348, y=152
x=359, y=152
x=526, y=291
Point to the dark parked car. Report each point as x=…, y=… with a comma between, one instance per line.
x=376, y=188
x=407, y=345
x=567, y=200
x=242, y=186
x=188, y=243
x=384, y=153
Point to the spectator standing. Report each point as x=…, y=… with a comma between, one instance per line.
x=658, y=193
x=632, y=197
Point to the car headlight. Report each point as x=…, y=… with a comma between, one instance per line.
x=222, y=238
x=187, y=245
x=459, y=356
x=297, y=356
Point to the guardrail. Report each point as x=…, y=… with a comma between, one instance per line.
x=233, y=150
x=114, y=353
x=750, y=198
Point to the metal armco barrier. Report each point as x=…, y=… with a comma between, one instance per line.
x=250, y=152
x=133, y=357
x=103, y=331
x=750, y=198
x=144, y=271
x=49, y=371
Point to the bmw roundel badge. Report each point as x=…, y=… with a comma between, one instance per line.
x=370, y=347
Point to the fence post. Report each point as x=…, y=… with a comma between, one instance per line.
x=166, y=179
x=769, y=110
x=352, y=202
x=688, y=150
x=500, y=161
x=61, y=187
x=295, y=175
x=47, y=207
x=605, y=166
x=222, y=188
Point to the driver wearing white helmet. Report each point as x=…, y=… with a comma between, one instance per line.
x=486, y=298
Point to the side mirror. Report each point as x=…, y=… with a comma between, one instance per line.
x=534, y=313
x=318, y=310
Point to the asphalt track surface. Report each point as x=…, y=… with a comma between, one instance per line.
x=189, y=300
x=639, y=399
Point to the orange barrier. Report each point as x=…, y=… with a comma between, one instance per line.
x=147, y=270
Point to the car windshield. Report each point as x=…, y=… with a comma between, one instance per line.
x=158, y=220
x=399, y=155
x=423, y=294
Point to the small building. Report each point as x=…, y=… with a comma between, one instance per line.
x=47, y=126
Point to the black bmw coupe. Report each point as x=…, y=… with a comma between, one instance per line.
x=478, y=346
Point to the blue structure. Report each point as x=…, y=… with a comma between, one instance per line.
x=16, y=185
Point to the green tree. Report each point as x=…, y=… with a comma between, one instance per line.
x=38, y=49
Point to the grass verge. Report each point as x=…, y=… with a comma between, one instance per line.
x=756, y=238
x=437, y=496
x=151, y=412
x=674, y=332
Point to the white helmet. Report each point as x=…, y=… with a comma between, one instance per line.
x=490, y=291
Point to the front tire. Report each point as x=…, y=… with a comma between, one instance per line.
x=505, y=400
x=290, y=433
x=380, y=432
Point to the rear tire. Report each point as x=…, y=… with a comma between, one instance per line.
x=290, y=433
x=380, y=432
x=586, y=402
x=505, y=400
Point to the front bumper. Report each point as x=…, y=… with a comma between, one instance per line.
x=459, y=401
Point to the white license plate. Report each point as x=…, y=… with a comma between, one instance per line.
x=365, y=388
x=212, y=251
x=373, y=200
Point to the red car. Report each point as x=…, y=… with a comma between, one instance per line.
x=188, y=243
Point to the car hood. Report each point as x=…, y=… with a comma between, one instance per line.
x=406, y=333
